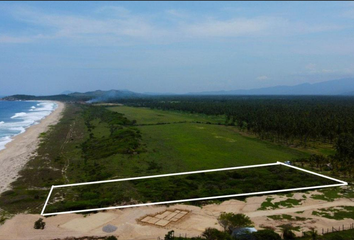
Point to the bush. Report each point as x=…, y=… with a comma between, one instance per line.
x=230, y=221
x=39, y=224
x=288, y=234
x=111, y=238
x=337, y=237
x=214, y=234
x=266, y=235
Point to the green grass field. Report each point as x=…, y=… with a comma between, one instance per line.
x=196, y=146
x=149, y=116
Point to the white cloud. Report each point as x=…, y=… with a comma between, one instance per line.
x=311, y=67
x=9, y=39
x=177, y=13
x=262, y=78
x=228, y=28
x=113, y=25
x=314, y=69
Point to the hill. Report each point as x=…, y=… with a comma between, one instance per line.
x=94, y=96
x=333, y=87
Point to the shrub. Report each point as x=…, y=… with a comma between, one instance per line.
x=111, y=238
x=336, y=237
x=230, y=221
x=214, y=234
x=39, y=224
x=266, y=235
x=288, y=234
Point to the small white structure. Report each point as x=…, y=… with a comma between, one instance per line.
x=243, y=231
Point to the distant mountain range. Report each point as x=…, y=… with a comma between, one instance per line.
x=94, y=96
x=334, y=87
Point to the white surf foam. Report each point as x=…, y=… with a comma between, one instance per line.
x=23, y=120
x=4, y=141
x=17, y=115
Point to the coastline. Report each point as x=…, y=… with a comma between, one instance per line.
x=18, y=152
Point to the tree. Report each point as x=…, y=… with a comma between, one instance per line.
x=214, y=234
x=345, y=146
x=170, y=235
x=313, y=234
x=39, y=224
x=288, y=234
x=230, y=221
x=266, y=235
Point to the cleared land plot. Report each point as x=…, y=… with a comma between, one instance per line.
x=172, y=188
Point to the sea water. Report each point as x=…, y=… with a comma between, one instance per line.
x=17, y=116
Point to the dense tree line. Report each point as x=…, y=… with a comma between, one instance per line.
x=341, y=163
x=123, y=138
x=291, y=120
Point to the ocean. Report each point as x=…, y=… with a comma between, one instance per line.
x=17, y=116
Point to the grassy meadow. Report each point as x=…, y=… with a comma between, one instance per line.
x=195, y=146
x=145, y=116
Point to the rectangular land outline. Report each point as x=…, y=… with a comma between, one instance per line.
x=340, y=183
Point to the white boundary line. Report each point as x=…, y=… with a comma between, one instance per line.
x=341, y=183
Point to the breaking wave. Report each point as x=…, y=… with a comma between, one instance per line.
x=19, y=122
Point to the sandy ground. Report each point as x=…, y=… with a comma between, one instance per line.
x=128, y=227
x=19, y=151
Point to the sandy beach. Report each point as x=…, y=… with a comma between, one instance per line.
x=18, y=152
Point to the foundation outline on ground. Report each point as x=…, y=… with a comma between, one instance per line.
x=340, y=183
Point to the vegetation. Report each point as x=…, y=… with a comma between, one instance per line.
x=338, y=213
x=181, y=187
x=342, y=235
x=341, y=162
x=280, y=118
x=195, y=146
x=214, y=234
x=288, y=233
x=287, y=217
x=288, y=203
x=65, y=155
x=92, y=143
x=230, y=221
x=39, y=224
x=266, y=235
x=296, y=121
x=111, y=238
x=4, y=216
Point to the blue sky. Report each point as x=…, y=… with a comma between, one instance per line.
x=49, y=47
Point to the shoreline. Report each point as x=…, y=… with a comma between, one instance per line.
x=18, y=152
